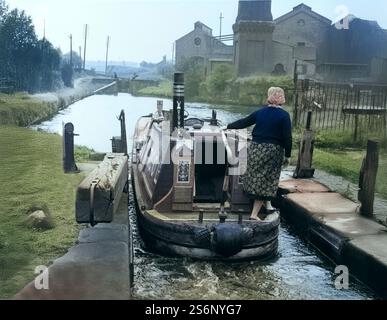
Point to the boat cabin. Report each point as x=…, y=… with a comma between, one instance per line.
x=188, y=169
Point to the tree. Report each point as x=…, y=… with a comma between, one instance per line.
x=67, y=75
x=219, y=78
x=3, y=9
x=77, y=60
x=18, y=51
x=50, y=66
x=194, y=75
x=32, y=64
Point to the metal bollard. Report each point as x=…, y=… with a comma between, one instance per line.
x=120, y=144
x=69, y=165
x=240, y=217
x=123, y=133
x=201, y=216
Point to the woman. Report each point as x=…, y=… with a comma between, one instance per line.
x=272, y=140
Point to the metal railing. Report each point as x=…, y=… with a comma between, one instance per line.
x=361, y=108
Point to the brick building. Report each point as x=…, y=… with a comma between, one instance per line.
x=263, y=45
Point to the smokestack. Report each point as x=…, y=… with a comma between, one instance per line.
x=254, y=10
x=178, y=100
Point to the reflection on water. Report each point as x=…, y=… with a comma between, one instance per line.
x=298, y=272
x=95, y=118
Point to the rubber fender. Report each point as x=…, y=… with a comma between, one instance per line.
x=203, y=237
x=247, y=235
x=227, y=239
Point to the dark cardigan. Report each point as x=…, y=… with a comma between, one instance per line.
x=272, y=125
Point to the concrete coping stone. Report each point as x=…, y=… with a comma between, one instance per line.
x=92, y=235
x=302, y=186
x=324, y=203
x=72, y=277
x=374, y=245
x=352, y=226
x=336, y=212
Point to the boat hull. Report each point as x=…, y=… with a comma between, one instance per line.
x=194, y=240
x=159, y=246
x=178, y=215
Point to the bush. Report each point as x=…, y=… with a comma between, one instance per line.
x=219, y=79
x=67, y=75
x=253, y=90
x=332, y=139
x=222, y=86
x=163, y=90
x=194, y=76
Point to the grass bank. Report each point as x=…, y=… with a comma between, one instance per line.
x=22, y=110
x=339, y=154
x=163, y=90
x=347, y=164
x=220, y=90
x=32, y=178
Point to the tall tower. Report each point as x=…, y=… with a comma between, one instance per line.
x=253, y=37
x=256, y=10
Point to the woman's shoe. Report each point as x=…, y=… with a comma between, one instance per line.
x=255, y=219
x=269, y=208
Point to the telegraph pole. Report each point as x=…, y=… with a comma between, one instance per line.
x=107, y=54
x=84, y=48
x=173, y=53
x=71, y=50
x=44, y=29
x=80, y=57
x=221, y=24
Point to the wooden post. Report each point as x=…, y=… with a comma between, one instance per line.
x=69, y=165
x=356, y=132
x=304, y=168
x=296, y=98
x=367, y=181
x=84, y=47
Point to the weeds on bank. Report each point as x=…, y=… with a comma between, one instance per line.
x=21, y=109
x=32, y=178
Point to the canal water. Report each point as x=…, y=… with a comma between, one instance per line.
x=298, y=272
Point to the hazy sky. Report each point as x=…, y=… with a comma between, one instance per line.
x=146, y=29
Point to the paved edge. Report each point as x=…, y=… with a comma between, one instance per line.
x=364, y=254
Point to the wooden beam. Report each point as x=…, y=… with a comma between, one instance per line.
x=304, y=168
x=99, y=195
x=367, y=181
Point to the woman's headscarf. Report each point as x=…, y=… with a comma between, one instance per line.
x=276, y=96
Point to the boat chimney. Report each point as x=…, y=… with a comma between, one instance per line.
x=214, y=119
x=178, y=101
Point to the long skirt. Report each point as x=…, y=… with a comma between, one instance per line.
x=263, y=172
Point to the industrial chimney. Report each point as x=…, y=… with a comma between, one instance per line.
x=253, y=38
x=254, y=10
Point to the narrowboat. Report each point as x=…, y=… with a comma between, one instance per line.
x=187, y=182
